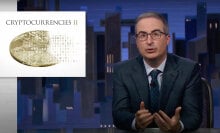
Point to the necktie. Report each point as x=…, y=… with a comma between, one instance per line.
x=154, y=91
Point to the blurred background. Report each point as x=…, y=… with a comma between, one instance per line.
x=67, y=103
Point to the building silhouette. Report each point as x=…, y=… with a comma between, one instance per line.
x=33, y=5
x=190, y=27
x=196, y=45
x=213, y=37
x=112, y=46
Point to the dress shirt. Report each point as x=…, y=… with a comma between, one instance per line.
x=148, y=69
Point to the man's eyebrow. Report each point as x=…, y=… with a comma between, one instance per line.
x=141, y=32
x=156, y=30
x=150, y=32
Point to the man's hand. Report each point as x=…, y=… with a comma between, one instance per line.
x=143, y=117
x=167, y=124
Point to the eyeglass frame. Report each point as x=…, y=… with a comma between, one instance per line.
x=151, y=35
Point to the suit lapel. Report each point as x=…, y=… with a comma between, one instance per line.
x=141, y=81
x=169, y=76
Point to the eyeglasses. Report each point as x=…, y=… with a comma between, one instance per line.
x=156, y=34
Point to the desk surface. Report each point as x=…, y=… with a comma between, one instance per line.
x=107, y=130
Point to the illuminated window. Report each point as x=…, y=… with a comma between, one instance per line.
x=210, y=25
x=107, y=59
x=216, y=25
x=109, y=63
x=187, y=20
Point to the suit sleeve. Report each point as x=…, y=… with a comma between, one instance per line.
x=191, y=114
x=122, y=116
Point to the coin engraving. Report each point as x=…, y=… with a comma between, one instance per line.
x=32, y=49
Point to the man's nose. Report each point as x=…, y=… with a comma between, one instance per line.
x=149, y=39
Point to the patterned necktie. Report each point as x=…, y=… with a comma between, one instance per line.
x=154, y=91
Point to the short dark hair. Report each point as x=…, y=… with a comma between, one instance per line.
x=153, y=15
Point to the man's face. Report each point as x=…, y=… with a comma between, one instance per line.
x=152, y=49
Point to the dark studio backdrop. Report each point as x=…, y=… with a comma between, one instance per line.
x=51, y=103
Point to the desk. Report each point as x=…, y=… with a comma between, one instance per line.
x=107, y=130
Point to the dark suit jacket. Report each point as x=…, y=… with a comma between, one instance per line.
x=180, y=87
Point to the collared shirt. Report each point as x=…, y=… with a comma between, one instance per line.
x=148, y=69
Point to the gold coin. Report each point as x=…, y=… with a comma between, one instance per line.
x=32, y=49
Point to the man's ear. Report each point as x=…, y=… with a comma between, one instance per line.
x=168, y=39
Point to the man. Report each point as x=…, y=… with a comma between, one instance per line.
x=171, y=99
